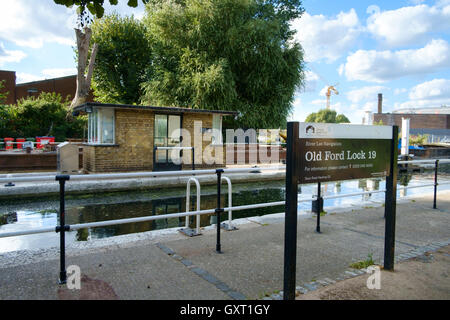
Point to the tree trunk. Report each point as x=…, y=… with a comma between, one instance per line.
x=83, y=78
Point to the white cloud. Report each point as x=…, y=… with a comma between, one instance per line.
x=123, y=9
x=381, y=66
x=320, y=102
x=311, y=79
x=434, y=93
x=398, y=91
x=434, y=89
x=56, y=73
x=7, y=56
x=22, y=77
x=408, y=25
x=32, y=23
x=365, y=93
x=327, y=38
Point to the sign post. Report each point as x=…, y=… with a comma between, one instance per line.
x=390, y=205
x=323, y=152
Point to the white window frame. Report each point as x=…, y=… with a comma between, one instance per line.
x=95, y=124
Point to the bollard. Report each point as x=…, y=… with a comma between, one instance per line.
x=219, y=210
x=62, y=228
x=436, y=164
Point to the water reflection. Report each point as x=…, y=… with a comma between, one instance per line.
x=158, y=202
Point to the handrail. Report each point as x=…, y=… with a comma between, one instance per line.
x=189, y=213
x=188, y=206
x=229, y=227
x=128, y=175
x=149, y=174
x=423, y=161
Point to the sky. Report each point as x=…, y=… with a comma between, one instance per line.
x=398, y=48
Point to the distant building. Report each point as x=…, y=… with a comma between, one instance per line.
x=9, y=85
x=432, y=121
x=65, y=86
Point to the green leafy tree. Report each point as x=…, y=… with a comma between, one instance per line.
x=6, y=123
x=95, y=7
x=123, y=60
x=418, y=140
x=327, y=116
x=86, y=9
x=226, y=54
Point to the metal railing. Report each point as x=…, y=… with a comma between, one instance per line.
x=62, y=179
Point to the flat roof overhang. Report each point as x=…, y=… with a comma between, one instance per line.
x=82, y=108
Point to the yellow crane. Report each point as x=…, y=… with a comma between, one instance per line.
x=330, y=88
x=328, y=94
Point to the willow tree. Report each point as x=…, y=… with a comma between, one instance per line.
x=226, y=54
x=86, y=10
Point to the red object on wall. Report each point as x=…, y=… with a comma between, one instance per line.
x=8, y=143
x=19, y=145
x=41, y=141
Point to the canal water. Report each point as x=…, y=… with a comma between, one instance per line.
x=36, y=213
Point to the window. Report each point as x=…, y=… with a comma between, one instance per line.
x=101, y=126
x=217, y=129
x=167, y=131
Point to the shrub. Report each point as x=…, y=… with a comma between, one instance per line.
x=45, y=115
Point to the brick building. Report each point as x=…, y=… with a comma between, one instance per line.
x=65, y=86
x=141, y=138
x=417, y=121
x=9, y=85
x=425, y=118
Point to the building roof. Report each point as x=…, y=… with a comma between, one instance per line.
x=82, y=108
x=425, y=110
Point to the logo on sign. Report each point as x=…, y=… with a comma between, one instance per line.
x=311, y=130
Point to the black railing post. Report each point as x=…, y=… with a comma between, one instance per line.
x=391, y=204
x=219, y=210
x=193, y=158
x=319, y=207
x=62, y=228
x=436, y=165
x=290, y=221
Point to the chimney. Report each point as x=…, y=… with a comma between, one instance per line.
x=380, y=103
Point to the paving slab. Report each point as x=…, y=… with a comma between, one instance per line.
x=138, y=272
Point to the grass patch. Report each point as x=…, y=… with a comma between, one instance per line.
x=364, y=263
